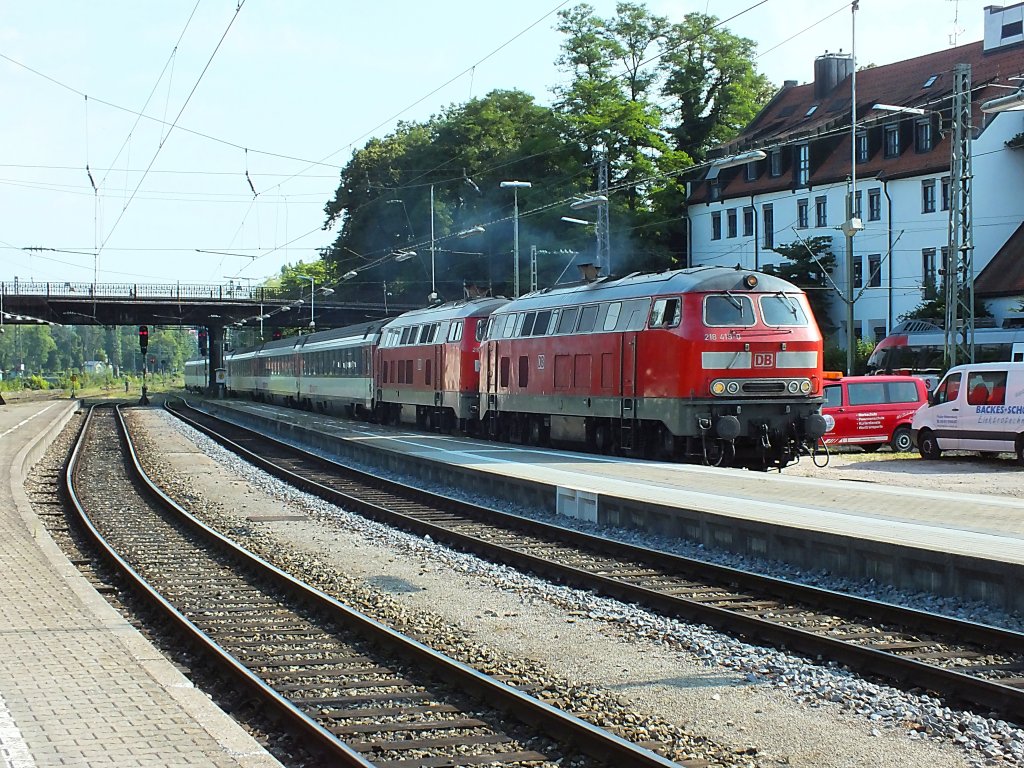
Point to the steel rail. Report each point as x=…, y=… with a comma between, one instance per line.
x=561, y=726
x=1007, y=700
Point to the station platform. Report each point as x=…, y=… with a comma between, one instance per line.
x=79, y=686
x=965, y=545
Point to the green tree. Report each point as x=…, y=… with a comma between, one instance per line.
x=712, y=81
x=808, y=264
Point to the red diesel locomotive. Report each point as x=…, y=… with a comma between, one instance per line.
x=715, y=365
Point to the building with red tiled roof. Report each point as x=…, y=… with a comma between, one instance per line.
x=900, y=150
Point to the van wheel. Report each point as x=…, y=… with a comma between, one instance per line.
x=928, y=445
x=1020, y=450
x=901, y=442
x=871, y=447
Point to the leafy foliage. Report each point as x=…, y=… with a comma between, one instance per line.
x=808, y=264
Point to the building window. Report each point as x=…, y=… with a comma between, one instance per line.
x=752, y=170
x=875, y=270
x=862, y=147
x=716, y=226
x=874, y=204
x=714, y=191
x=775, y=162
x=923, y=135
x=748, y=221
x=730, y=218
x=928, y=273
x=945, y=193
x=858, y=271
x=858, y=208
x=802, y=219
x=803, y=165
x=821, y=211
x=928, y=196
x=769, y=226
x=892, y=140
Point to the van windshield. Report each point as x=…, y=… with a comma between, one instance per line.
x=948, y=389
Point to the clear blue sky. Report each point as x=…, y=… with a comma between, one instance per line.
x=308, y=81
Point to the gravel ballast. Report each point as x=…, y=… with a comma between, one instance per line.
x=765, y=707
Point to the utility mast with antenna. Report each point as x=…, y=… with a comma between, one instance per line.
x=959, y=262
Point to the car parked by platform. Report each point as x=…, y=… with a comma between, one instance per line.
x=872, y=411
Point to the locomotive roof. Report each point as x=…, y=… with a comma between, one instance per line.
x=478, y=307
x=644, y=284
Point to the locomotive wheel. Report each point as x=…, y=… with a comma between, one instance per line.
x=602, y=438
x=537, y=436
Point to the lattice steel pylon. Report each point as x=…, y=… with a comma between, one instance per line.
x=959, y=261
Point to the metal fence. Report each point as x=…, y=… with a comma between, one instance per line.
x=216, y=291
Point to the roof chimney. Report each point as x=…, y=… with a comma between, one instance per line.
x=588, y=272
x=789, y=83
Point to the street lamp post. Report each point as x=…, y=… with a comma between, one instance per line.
x=515, y=186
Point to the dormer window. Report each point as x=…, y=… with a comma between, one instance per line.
x=803, y=165
x=862, y=147
x=775, y=162
x=892, y=140
x=930, y=81
x=714, y=191
x=923, y=135
x=752, y=170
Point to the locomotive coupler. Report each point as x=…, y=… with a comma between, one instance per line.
x=765, y=439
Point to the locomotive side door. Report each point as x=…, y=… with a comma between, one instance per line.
x=627, y=399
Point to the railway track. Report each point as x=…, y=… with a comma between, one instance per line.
x=359, y=693
x=970, y=664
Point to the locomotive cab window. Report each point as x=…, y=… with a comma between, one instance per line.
x=780, y=309
x=728, y=309
x=527, y=327
x=455, y=331
x=665, y=313
x=540, y=324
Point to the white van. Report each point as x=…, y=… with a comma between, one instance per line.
x=976, y=407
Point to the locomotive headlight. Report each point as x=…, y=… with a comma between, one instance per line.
x=750, y=281
x=732, y=387
x=793, y=387
x=805, y=386
x=718, y=387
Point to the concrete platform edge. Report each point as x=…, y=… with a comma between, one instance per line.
x=218, y=724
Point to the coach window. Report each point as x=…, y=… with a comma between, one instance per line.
x=510, y=326
x=455, y=331
x=665, y=313
x=526, y=329
x=567, y=319
x=540, y=324
x=611, y=319
x=780, y=309
x=728, y=309
x=588, y=317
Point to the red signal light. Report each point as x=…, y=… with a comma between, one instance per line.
x=143, y=338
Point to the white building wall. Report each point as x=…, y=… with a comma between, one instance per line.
x=998, y=204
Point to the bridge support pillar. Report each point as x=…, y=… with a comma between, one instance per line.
x=216, y=340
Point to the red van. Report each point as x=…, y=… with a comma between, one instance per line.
x=872, y=411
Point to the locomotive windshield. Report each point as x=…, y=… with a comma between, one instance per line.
x=780, y=309
x=728, y=309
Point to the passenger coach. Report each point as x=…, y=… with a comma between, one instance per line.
x=709, y=364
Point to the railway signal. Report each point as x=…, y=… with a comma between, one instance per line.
x=202, y=342
x=143, y=338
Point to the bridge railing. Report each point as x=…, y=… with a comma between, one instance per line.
x=218, y=291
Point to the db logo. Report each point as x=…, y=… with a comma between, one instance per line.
x=764, y=360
